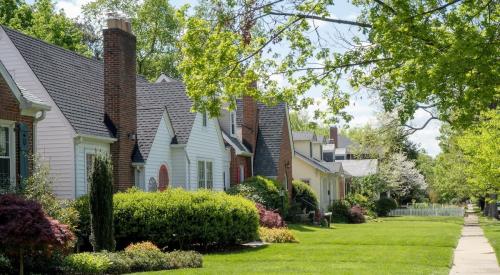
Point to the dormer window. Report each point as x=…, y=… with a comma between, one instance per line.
x=310, y=149
x=232, y=119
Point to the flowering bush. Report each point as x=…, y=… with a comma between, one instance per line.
x=148, y=246
x=356, y=215
x=276, y=235
x=268, y=218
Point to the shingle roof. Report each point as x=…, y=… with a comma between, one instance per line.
x=153, y=99
x=74, y=82
x=269, y=138
x=236, y=143
x=302, y=135
x=327, y=167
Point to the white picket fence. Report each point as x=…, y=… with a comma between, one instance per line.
x=431, y=211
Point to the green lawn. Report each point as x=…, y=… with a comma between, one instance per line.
x=403, y=245
x=491, y=230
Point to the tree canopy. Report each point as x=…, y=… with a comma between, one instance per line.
x=435, y=55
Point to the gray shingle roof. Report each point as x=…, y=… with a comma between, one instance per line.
x=269, y=138
x=360, y=167
x=235, y=142
x=302, y=135
x=153, y=99
x=74, y=82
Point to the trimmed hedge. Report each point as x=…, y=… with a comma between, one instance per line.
x=276, y=235
x=264, y=191
x=181, y=219
x=384, y=205
x=340, y=211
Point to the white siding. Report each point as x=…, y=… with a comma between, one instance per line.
x=302, y=146
x=81, y=150
x=54, y=137
x=179, y=164
x=205, y=143
x=159, y=154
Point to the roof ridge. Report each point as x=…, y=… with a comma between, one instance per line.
x=51, y=45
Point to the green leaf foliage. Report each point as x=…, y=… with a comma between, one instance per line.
x=303, y=196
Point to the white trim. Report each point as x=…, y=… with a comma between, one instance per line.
x=79, y=138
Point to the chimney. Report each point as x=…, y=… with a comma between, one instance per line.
x=334, y=135
x=250, y=122
x=120, y=97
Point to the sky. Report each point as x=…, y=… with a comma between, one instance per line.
x=362, y=108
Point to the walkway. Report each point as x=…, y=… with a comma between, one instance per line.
x=474, y=254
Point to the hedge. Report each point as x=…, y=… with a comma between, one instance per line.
x=303, y=196
x=180, y=219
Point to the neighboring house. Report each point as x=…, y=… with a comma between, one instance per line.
x=20, y=111
x=259, y=141
x=154, y=141
x=327, y=179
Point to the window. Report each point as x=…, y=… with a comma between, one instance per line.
x=310, y=149
x=242, y=173
x=7, y=163
x=89, y=163
x=205, y=174
x=321, y=152
x=308, y=181
x=339, y=157
x=233, y=123
x=204, y=118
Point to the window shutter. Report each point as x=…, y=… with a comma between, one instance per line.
x=23, y=151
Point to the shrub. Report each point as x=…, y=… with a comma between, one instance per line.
x=142, y=246
x=184, y=259
x=340, y=211
x=276, y=235
x=83, y=225
x=384, y=205
x=303, y=196
x=25, y=228
x=269, y=218
x=264, y=191
x=101, y=204
x=5, y=267
x=120, y=263
x=146, y=260
x=87, y=263
x=356, y=215
x=179, y=218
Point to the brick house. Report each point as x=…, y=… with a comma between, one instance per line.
x=19, y=112
x=98, y=106
x=259, y=141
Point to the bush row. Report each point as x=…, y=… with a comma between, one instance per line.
x=343, y=211
x=136, y=259
x=276, y=235
x=179, y=219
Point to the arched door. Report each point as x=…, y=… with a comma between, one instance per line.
x=163, y=178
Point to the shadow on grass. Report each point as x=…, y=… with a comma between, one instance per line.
x=239, y=250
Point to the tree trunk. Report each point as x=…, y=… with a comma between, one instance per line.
x=493, y=212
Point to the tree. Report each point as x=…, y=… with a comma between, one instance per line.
x=101, y=204
x=42, y=21
x=154, y=23
x=402, y=178
x=300, y=121
x=480, y=146
x=437, y=56
x=25, y=228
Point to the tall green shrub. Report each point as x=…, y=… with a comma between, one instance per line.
x=303, y=196
x=101, y=204
x=264, y=191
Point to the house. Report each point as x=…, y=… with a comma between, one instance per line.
x=104, y=106
x=259, y=141
x=327, y=179
x=20, y=111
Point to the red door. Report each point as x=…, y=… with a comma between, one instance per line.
x=163, y=182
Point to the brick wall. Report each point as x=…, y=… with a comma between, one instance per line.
x=249, y=122
x=234, y=167
x=10, y=110
x=285, y=162
x=120, y=100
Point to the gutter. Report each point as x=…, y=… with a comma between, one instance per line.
x=80, y=137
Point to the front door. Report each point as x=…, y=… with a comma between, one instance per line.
x=163, y=178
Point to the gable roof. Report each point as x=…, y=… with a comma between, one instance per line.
x=269, y=138
x=153, y=99
x=238, y=146
x=360, y=167
x=327, y=167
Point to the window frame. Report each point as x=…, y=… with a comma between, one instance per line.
x=204, y=119
x=232, y=123
x=87, y=175
x=205, y=177
x=10, y=125
x=242, y=173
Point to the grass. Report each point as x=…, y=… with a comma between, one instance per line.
x=491, y=230
x=402, y=245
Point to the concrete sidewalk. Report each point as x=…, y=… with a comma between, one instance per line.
x=474, y=254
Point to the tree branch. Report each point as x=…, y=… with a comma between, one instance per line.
x=412, y=129
x=391, y=9
x=436, y=9
x=326, y=19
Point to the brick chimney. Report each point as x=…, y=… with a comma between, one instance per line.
x=334, y=136
x=249, y=122
x=120, y=97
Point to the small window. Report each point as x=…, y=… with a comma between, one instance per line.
x=89, y=163
x=310, y=149
x=233, y=123
x=6, y=164
x=201, y=174
x=205, y=174
x=204, y=118
x=242, y=173
x=321, y=152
